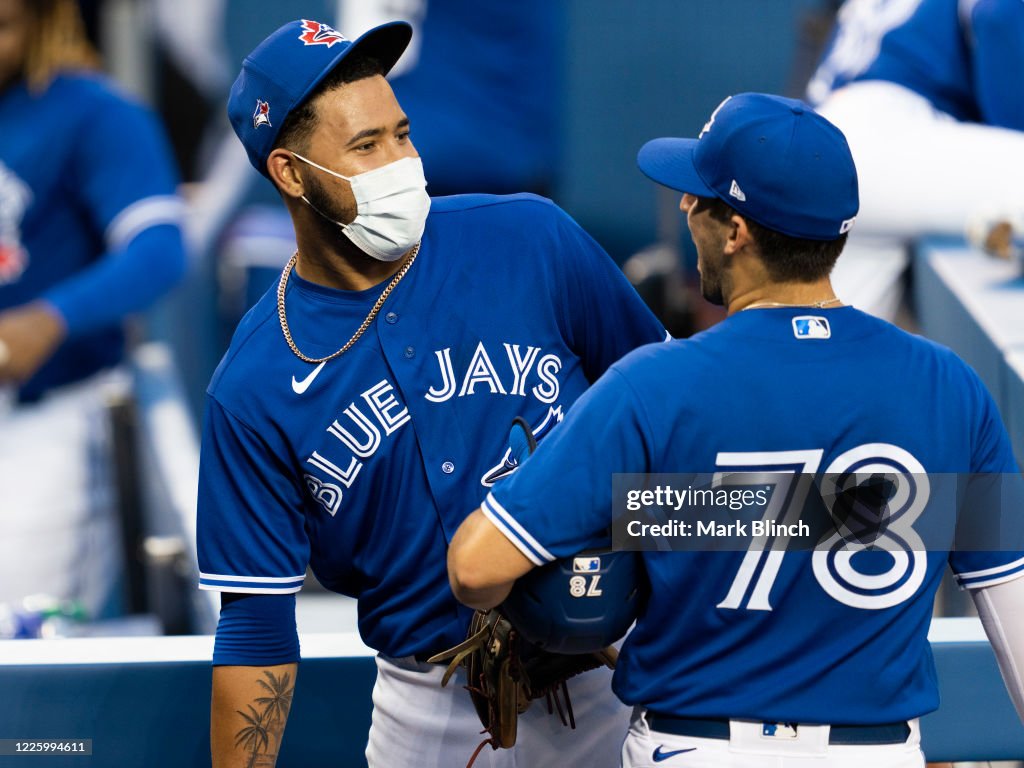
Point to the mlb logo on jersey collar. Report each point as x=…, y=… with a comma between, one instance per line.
x=811, y=327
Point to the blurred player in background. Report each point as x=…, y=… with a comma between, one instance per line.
x=495, y=126
x=761, y=657
x=363, y=406
x=89, y=233
x=928, y=93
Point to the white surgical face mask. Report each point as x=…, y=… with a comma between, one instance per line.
x=391, y=207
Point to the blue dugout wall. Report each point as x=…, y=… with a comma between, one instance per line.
x=146, y=701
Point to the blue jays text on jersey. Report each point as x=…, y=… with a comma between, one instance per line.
x=83, y=172
x=828, y=636
x=964, y=56
x=364, y=466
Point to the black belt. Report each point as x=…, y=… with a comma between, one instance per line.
x=718, y=728
x=424, y=658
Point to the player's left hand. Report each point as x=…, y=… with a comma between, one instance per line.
x=29, y=335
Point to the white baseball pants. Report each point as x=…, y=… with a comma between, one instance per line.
x=61, y=534
x=417, y=723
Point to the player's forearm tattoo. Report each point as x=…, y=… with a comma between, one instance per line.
x=264, y=723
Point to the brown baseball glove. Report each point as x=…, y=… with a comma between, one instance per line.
x=506, y=674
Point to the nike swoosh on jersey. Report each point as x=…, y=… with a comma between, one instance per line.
x=298, y=387
x=659, y=755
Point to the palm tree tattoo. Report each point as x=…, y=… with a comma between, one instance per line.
x=266, y=724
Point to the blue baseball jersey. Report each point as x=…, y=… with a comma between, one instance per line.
x=363, y=467
x=795, y=636
x=83, y=171
x=965, y=56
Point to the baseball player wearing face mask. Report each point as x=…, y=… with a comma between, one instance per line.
x=763, y=657
x=363, y=404
x=928, y=94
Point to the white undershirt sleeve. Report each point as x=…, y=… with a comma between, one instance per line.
x=1001, y=608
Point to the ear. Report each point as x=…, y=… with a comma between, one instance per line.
x=284, y=172
x=738, y=236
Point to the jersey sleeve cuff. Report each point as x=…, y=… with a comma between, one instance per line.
x=990, y=576
x=514, y=532
x=253, y=585
x=141, y=215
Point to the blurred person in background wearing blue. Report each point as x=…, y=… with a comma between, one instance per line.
x=928, y=93
x=89, y=233
x=493, y=126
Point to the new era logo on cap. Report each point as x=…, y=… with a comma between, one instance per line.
x=735, y=191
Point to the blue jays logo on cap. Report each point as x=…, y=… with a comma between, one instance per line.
x=261, y=116
x=811, y=327
x=318, y=33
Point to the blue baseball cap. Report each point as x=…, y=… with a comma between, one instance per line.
x=774, y=160
x=285, y=68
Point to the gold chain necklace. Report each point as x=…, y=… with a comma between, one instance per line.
x=283, y=283
x=814, y=305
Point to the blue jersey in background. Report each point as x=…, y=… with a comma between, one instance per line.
x=83, y=173
x=965, y=56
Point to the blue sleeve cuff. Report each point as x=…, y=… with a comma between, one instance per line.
x=121, y=282
x=256, y=631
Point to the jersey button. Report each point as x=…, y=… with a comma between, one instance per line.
x=410, y=352
x=391, y=317
x=447, y=467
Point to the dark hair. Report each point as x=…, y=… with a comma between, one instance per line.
x=787, y=259
x=298, y=127
x=57, y=42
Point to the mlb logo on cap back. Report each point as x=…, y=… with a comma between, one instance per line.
x=287, y=67
x=774, y=160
